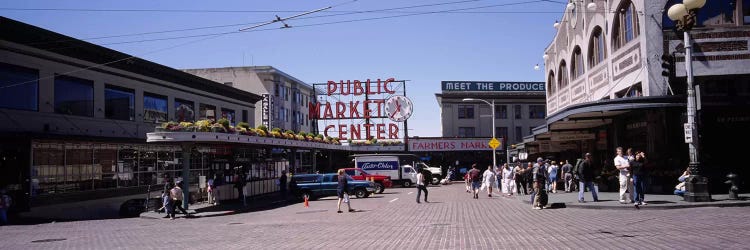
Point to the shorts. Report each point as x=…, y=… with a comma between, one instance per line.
x=340, y=193
x=476, y=184
x=553, y=179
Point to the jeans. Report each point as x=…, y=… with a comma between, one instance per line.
x=521, y=183
x=639, y=187
x=582, y=186
x=177, y=204
x=568, y=182
x=421, y=188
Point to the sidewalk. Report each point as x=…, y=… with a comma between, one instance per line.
x=203, y=209
x=610, y=200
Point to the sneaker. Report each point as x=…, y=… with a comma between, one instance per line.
x=339, y=211
x=537, y=208
x=351, y=210
x=644, y=203
x=489, y=195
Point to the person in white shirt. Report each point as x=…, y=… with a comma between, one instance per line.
x=622, y=164
x=489, y=180
x=420, y=186
x=509, y=184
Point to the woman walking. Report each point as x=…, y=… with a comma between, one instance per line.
x=553, y=177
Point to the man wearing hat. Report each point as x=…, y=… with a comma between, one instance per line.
x=586, y=175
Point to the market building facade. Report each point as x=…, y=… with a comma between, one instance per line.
x=76, y=117
x=615, y=77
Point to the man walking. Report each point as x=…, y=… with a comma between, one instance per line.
x=420, y=186
x=282, y=184
x=586, y=175
x=621, y=163
x=476, y=180
x=520, y=178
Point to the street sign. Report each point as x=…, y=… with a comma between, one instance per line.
x=494, y=143
x=688, y=133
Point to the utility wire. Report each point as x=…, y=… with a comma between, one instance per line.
x=245, y=24
x=319, y=24
x=187, y=10
x=211, y=36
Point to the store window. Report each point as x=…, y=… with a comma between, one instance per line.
x=576, y=66
x=536, y=111
x=229, y=115
x=119, y=103
x=517, y=112
x=551, y=84
x=466, y=132
x=207, y=112
x=502, y=132
x=74, y=96
x=154, y=108
x=465, y=111
x=19, y=87
x=519, y=134
x=597, y=51
x=184, y=110
x=501, y=111
x=562, y=75
x=625, y=26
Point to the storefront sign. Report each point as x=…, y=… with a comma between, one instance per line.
x=571, y=137
x=266, y=105
x=420, y=145
x=361, y=109
x=492, y=86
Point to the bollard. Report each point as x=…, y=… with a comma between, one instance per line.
x=734, y=187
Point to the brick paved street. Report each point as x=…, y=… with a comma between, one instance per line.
x=393, y=220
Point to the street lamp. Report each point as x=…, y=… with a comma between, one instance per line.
x=492, y=104
x=684, y=14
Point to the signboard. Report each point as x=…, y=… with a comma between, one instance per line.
x=432, y=145
x=571, y=137
x=378, y=165
x=494, y=143
x=688, y=133
x=358, y=110
x=266, y=105
x=492, y=86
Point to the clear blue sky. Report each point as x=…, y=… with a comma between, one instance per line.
x=501, y=43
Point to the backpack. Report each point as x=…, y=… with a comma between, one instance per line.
x=541, y=173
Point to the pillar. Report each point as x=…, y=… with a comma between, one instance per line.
x=187, y=148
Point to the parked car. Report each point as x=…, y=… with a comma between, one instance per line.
x=381, y=181
x=321, y=185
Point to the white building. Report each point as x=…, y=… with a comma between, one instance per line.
x=288, y=97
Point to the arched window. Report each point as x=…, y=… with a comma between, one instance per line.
x=625, y=26
x=562, y=75
x=551, y=83
x=597, y=51
x=576, y=64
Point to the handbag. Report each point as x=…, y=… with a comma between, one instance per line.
x=346, y=198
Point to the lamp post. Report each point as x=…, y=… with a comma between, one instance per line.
x=685, y=16
x=492, y=104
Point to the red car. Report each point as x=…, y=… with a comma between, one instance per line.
x=381, y=181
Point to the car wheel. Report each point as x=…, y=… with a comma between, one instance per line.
x=360, y=193
x=435, y=181
x=379, y=188
x=407, y=184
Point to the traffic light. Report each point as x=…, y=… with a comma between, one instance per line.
x=667, y=65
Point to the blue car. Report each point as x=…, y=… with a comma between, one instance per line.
x=321, y=185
